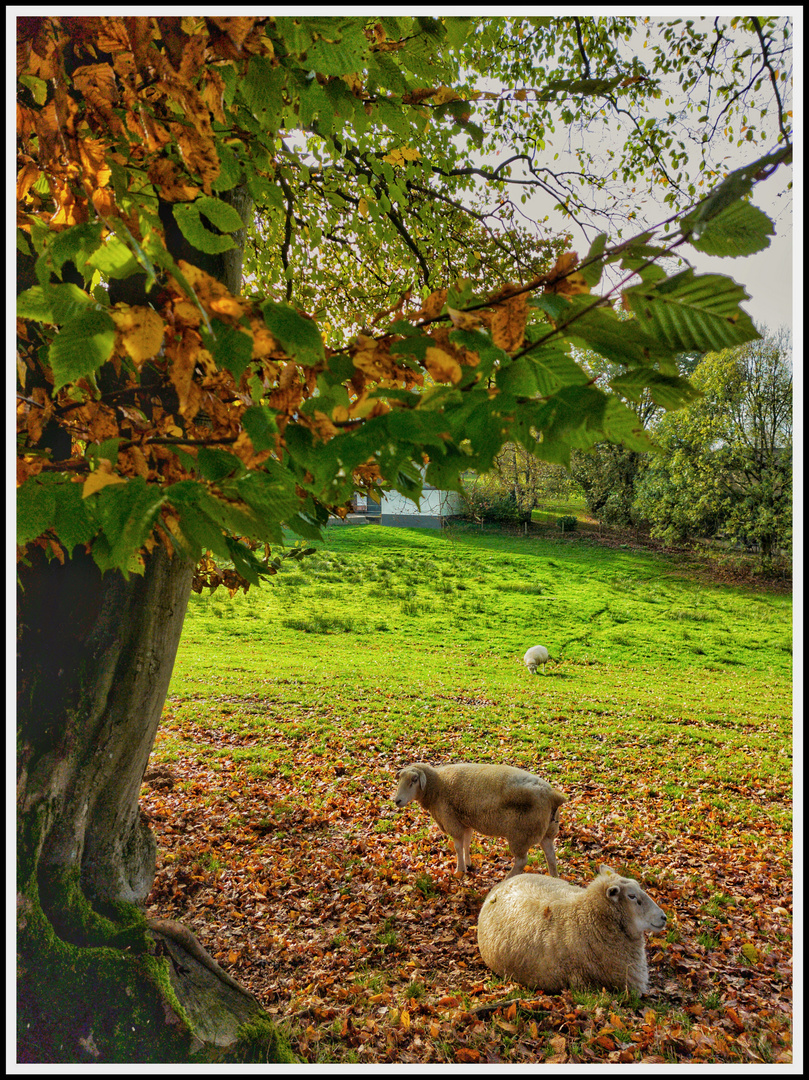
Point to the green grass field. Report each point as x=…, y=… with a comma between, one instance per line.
x=665, y=715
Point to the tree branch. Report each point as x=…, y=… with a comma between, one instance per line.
x=577, y=22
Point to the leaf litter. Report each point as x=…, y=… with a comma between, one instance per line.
x=345, y=920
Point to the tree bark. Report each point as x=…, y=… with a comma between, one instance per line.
x=95, y=658
x=97, y=983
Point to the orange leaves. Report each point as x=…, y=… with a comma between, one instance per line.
x=372, y=357
x=507, y=323
x=442, y=366
x=432, y=306
x=562, y=280
x=141, y=331
x=27, y=175
x=173, y=185
x=212, y=294
x=183, y=356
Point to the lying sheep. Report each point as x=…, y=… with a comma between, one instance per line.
x=535, y=656
x=546, y=933
x=496, y=800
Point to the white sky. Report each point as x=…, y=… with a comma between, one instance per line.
x=769, y=276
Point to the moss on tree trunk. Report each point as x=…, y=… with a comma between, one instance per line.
x=97, y=982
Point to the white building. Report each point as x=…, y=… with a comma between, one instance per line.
x=434, y=507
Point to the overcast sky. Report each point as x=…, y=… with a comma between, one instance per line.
x=768, y=276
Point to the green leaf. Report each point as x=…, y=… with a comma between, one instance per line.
x=262, y=89
x=187, y=216
x=687, y=312
x=74, y=524
x=667, y=391
x=592, y=273
x=542, y=372
x=127, y=515
x=36, y=509
x=215, y=465
x=736, y=185
x=259, y=423
x=81, y=347
x=245, y=562
x=230, y=169
x=343, y=57
x=200, y=530
x=621, y=340
x=298, y=337
x=76, y=244
x=458, y=29
x=115, y=259
x=740, y=229
x=55, y=304
x=230, y=348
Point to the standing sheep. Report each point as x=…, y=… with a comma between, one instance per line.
x=496, y=800
x=546, y=933
x=535, y=656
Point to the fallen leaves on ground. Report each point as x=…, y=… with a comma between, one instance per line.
x=345, y=920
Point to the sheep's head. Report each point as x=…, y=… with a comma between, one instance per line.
x=411, y=782
x=637, y=911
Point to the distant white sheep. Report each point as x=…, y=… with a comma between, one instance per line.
x=496, y=800
x=535, y=656
x=546, y=933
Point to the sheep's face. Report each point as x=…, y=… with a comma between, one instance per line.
x=411, y=781
x=638, y=911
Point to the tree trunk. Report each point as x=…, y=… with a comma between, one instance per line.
x=97, y=982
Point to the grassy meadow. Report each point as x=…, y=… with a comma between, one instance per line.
x=665, y=715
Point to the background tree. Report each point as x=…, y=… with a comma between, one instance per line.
x=166, y=422
x=607, y=474
x=517, y=483
x=725, y=462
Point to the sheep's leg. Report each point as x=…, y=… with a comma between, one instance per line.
x=550, y=855
x=462, y=845
x=520, y=854
x=459, y=852
x=467, y=848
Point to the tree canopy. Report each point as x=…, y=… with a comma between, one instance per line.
x=726, y=461
x=266, y=262
x=198, y=418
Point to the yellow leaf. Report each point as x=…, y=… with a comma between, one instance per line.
x=363, y=207
x=521, y=95
x=463, y=320
x=404, y=1019
x=749, y=952
x=100, y=478
x=442, y=366
x=402, y=154
x=444, y=94
x=141, y=331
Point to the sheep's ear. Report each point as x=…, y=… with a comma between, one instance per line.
x=606, y=870
x=613, y=892
x=422, y=779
